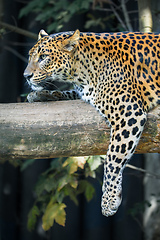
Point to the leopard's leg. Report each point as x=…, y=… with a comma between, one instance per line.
x=122, y=146
x=47, y=95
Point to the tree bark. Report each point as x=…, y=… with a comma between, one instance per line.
x=66, y=128
x=145, y=15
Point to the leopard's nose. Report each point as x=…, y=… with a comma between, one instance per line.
x=28, y=76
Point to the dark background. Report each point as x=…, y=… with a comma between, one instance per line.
x=84, y=222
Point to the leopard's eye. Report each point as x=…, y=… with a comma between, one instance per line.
x=42, y=57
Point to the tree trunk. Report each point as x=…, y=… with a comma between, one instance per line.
x=145, y=15
x=66, y=128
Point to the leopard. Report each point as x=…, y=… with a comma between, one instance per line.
x=117, y=73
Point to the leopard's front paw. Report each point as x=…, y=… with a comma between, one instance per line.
x=45, y=95
x=32, y=97
x=37, y=96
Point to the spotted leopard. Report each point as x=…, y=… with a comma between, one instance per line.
x=118, y=73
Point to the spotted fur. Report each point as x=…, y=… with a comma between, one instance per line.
x=118, y=73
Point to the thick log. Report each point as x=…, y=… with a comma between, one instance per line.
x=66, y=128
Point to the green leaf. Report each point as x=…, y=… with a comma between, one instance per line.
x=73, y=197
x=32, y=217
x=72, y=193
x=43, y=16
x=74, y=163
x=89, y=173
x=28, y=8
x=45, y=183
x=67, y=179
x=61, y=215
x=89, y=192
x=74, y=183
x=54, y=212
x=87, y=188
x=81, y=186
x=54, y=26
x=85, y=4
x=94, y=162
x=27, y=163
x=62, y=182
x=24, y=94
x=55, y=164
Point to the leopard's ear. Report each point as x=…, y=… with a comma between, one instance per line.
x=71, y=43
x=41, y=34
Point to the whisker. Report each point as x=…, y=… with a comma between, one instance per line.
x=50, y=84
x=49, y=81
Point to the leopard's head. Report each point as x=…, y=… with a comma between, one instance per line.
x=51, y=58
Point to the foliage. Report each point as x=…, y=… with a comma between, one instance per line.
x=137, y=211
x=97, y=13
x=138, y=208
x=57, y=13
x=65, y=178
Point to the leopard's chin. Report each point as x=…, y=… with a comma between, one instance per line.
x=36, y=88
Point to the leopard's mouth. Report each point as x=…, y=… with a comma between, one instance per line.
x=41, y=84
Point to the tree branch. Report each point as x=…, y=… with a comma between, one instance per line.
x=149, y=174
x=17, y=54
x=66, y=128
x=119, y=18
x=18, y=30
x=126, y=16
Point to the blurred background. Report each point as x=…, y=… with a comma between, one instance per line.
x=138, y=217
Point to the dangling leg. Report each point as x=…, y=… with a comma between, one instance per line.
x=122, y=146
